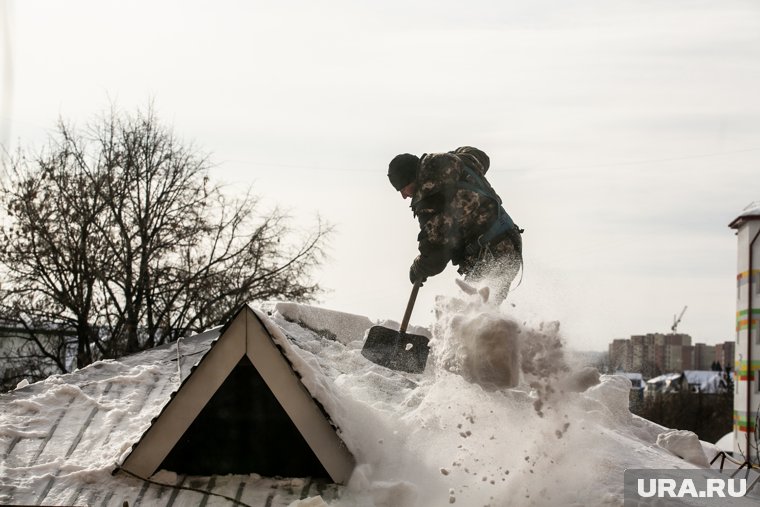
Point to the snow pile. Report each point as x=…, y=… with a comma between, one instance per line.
x=483, y=347
x=684, y=444
x=499, y=417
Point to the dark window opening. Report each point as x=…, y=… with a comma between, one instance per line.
x=243, y=429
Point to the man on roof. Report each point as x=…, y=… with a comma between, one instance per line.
x=461, y=218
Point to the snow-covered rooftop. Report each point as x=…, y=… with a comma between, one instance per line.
x=707, y=381
x=61, y=439
x=750, y=212
x=450, y=435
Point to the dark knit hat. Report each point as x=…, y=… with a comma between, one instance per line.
x=403, y=170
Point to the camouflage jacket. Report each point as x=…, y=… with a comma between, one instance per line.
x=450, y=217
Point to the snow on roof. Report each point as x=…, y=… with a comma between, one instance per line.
x=667, y=377
x=751, y=212
x=726, y=442
x=61, y=438
x=248, y=366
x=419, y=440
x=707, y=381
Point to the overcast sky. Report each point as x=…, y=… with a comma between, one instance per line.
x=624, y=136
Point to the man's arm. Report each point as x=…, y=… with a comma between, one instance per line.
x=428, y=263
x=439, y=222
x=436, y=238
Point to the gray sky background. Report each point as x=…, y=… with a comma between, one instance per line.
x=624, y=136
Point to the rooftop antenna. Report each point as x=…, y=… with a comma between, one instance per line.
x=677, y=320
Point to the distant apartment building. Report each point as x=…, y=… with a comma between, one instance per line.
x=620, y=355
x=704, y=356
x=656, y=353
x=724, y=354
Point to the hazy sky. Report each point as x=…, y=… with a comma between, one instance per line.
x=624, y=136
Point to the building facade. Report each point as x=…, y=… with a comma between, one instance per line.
x=620, y=355
x=704, y=356
x=657, y=353
x=652, y=353
x=725, y=353
x=747, y=359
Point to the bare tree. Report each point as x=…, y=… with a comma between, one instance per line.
x=49, y=250
x=118, y=237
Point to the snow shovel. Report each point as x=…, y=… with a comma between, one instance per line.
x=398, y=350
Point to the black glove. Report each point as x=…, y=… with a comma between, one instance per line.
x=415, y=273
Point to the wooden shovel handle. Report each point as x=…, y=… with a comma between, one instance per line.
x=409, y=307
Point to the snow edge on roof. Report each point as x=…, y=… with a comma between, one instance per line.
x=279, y=340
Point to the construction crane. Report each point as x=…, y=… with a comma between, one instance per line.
x=677, y=320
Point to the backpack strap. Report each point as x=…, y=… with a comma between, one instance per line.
x=503, y=221
x=480, y=186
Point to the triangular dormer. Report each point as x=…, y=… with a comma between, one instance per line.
x=243, y=409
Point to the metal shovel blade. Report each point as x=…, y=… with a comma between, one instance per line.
x=396, y=350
